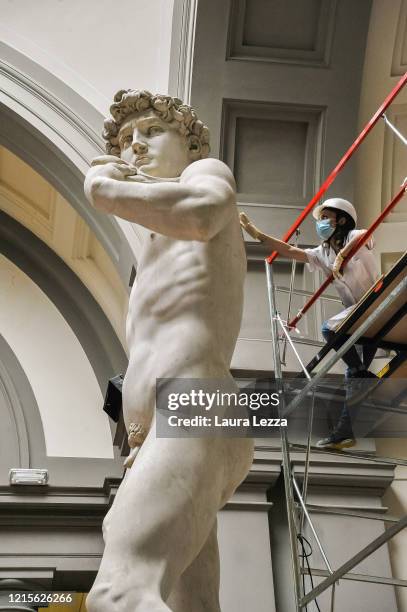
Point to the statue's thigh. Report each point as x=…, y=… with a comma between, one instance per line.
x=167, y=507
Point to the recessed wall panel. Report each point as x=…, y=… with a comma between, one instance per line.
x=284, y=24
x=399, y=63
x=273, y=151
x=282, y=30
x=270, y=157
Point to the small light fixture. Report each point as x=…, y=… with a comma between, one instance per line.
x=25, y=476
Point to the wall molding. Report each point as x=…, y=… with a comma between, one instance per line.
x=54, y=104
x=182, y=49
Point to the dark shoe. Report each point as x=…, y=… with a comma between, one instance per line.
x=337, y=441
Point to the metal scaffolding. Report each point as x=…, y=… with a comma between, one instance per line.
x=297, y=513
x=389, y=292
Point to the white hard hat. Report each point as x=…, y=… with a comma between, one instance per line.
x=338, y=204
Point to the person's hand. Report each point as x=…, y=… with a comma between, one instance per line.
x=248, y=226
x=336, y=268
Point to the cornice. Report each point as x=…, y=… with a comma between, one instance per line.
x=53, y=506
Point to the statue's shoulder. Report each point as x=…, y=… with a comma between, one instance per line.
x=209, y=167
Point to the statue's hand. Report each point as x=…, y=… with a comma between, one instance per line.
x=105, y=167
x=106, y=159
x=110, y=166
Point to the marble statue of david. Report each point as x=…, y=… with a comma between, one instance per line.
x=184, y=316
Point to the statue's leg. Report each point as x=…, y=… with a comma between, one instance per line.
x=162, y=518
x=197, y=589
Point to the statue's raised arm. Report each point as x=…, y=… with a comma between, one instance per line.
x=156, y=174
x=196, y=207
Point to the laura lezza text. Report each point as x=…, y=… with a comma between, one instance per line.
x=217, y=421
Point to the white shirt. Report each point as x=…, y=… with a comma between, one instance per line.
x=358, y=276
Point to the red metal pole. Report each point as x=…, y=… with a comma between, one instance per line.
x=351, y=253
x=341, y=164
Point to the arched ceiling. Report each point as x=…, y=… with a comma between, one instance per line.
x=30, y=199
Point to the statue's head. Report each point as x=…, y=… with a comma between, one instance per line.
x=156, y=132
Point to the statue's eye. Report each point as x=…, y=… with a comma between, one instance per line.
x=154, y=129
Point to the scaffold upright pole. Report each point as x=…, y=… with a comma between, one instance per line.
x=288, y=485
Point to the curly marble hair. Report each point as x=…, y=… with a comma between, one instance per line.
x=128, y=101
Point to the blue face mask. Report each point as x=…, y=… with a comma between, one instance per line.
x=324, y=229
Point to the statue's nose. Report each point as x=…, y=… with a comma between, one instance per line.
x=139, y=147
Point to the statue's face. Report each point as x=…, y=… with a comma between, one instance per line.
x=153, y=145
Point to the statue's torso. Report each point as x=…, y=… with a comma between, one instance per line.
x=184, y=311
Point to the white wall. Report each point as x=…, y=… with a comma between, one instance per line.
x=96, y=47
x=62, y=379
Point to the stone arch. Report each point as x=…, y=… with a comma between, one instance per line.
x=56, y=131
x=22, y=436
x=70, y=296
x=23, y=427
